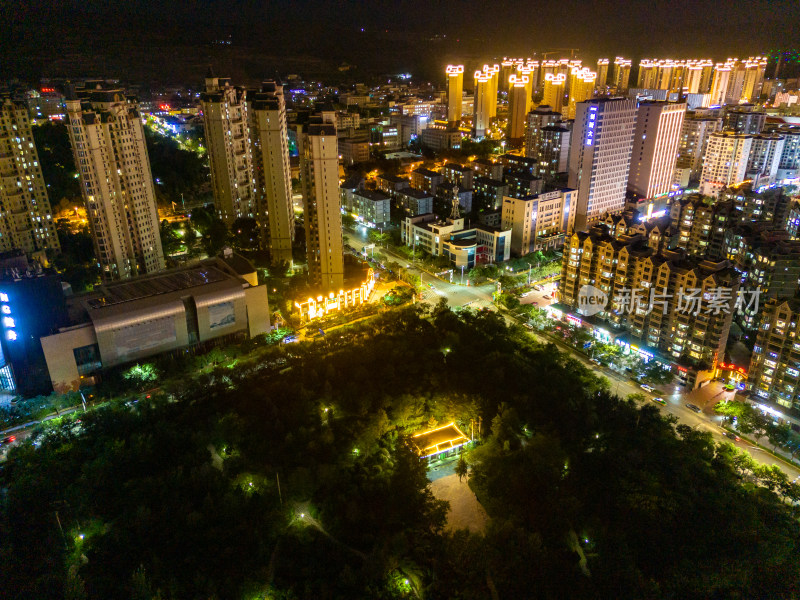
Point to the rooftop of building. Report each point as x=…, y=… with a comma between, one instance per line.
x=413, y=192
x=441, y=439
x=393, y=178
x=148, y=292
x=487, y=181
x=427, y=172
x=458, y=167
x=374, y=195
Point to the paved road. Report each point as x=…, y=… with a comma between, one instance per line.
x=433, y=287
x=704, y=398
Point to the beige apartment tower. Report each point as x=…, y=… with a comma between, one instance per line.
x=553, y=94
x=110, y=152
x=229, y=152
x=655, y=148
x=518, y=106
x=273, y=181
x=481, y=112
x=27, y=222
x=455, y=94
x=319, y=176
x=622, y=74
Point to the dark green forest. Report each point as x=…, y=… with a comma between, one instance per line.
x=290, y=477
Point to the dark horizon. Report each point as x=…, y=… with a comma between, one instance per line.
x=142, y=40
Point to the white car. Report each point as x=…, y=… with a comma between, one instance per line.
x=648, y=388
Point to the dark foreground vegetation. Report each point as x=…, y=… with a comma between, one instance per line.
x=290, y=477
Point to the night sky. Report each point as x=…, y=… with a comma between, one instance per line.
x=171, y=41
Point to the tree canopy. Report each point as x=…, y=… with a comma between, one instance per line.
x=288, y=475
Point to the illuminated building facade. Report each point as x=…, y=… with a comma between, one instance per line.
x=273, y=181
x=455, y=93
x=774, y=372
x=553, y=93
x=518, y=106
x=695, y=132
x=111, y=156
x=581, y=89
x=622, y=74
x=602, y=74
x=229, y=151
x=655, y=148
x=725, y=162
x=26, y=221
x=600, y=156
x=539, y=221
x=481, y=114
x=319, y=178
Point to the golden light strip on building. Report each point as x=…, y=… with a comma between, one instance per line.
x=322, y=305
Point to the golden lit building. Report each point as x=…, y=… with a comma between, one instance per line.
x=553, y=94
x=319, y=177
x=582, y=88
x=481, y=112
x=622, y=74
x=519, y=102
x=455, y=93
x=602, y=74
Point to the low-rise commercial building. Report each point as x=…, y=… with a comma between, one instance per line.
x=127, y=321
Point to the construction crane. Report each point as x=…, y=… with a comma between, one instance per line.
x=571, y=51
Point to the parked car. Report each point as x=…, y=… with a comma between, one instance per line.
x=694, y=408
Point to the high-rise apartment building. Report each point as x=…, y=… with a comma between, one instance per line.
x=269, y=136
x=581, y=89
x=551, y=150
x=720, y=82
x=553, y=94
x=602, y=74
x=519, y=101
x=494, y=72
x=655, y=148
x=744, y=119
x=754, y=69
x=229, y=151
x=765, y=157
x=538, y=221
x=622, y=74
x=481, y=113
x=541, y=116
x=725, y=162
x=319, y=177
x=455, y=93
x=600, y=156
x=774, y=372
x=111, y=156
x=26, y=221
x=695, y=132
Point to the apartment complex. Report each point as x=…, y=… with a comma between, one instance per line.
x=663, y=298
x=111, y=156
x=248, y=147
x=26, y=221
